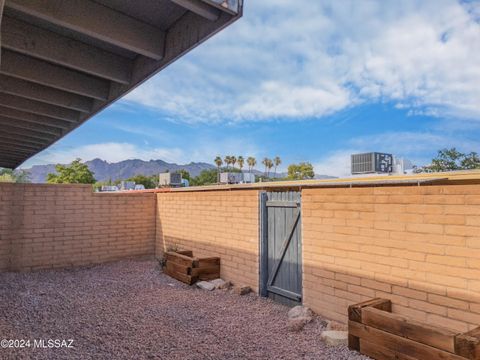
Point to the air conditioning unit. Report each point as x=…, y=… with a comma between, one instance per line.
x=372, y=163
x=231, y=178
x=248, y=178
x=170, y=179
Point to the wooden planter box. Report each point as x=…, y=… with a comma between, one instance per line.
x=183, y=266
x=374, y=331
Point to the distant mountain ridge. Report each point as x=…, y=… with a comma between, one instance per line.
x=104, y=171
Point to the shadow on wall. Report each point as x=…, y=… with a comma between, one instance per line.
x=329, y=291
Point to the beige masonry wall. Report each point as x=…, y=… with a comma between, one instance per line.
x=213, y=223
x=45, y=226
x=418, y=246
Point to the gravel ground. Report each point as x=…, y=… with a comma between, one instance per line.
x=130, y=310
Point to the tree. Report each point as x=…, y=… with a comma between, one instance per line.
x=251, y=161
x=233, y=160
x=266, y=162
x=150, y=182
x=206, y=177
x=75, y=173
x=241, y=162
x=276, y=162
x=301, y=171
x=219, y=162
x=451, y=160
x=227, y=160
x=15, y=176
x=185, y=174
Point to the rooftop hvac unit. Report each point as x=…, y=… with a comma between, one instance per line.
x=170, y=179
x=231, y=178
x=372, y=163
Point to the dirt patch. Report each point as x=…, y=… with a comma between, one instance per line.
x=129, y=310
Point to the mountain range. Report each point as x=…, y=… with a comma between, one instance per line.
x=104, y=171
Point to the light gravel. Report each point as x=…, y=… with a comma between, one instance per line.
x=130, y=310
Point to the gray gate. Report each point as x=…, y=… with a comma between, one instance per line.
x=281, y=252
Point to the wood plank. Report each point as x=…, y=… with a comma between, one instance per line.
x=180, y=277
x=380, y=353
x=197, y=271
x=33, y=91
x=399, y=325
x=33, y=118
x=399, y=344
x=179, y=268
x=58, y=77
x=202, y=262
x=200, y=8
x=11, y=129
x=38, y=108
x=181, y=259
x=282, y=204
x=355, y=311
x=283, y=292
x=44, y=129
x=468, y=344
x=31, y=40
x=97, y=21
x=17, y=144
x=188, y=253
x=22, y=139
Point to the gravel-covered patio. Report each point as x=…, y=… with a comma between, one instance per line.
x=130, y=310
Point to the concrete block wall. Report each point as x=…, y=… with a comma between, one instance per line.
x=213, y=223
x=418, y=246
x=46, y=226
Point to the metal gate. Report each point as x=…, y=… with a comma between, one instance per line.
x=281, y=247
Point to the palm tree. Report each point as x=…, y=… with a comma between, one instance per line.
x=251, y=161
x=219, y=162
x=233, y=160
x=276, y=161
x=240, y=161
x=265, y=162
x=227, y=160
x=269, y=166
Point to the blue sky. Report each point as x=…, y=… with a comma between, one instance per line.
x=308, y=83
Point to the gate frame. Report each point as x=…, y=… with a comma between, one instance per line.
x=263, y=236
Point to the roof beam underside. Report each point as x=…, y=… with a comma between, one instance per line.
x=97, y=21
x=33, y=118
x=33, y=91
x=39, y=108
x=49, y=46
x=200, y=8
x=44, y=73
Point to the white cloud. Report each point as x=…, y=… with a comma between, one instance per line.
x=292, y=61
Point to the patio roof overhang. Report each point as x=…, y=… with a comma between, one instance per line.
x=62, y=61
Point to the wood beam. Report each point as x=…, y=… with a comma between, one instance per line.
x=200, y=8
x=29, y=90
x=97, y=21
x=39, y=108
x=44, y=73
x=2, y=3
x=34, y=119
x=16, y=144
x=31, y=40
x=23, y=139
x=14, y=154
x=45, y=129
x=11, y=149
x=30, y=133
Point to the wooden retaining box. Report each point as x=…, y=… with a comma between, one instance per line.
x=183, y=266
x=374, y=331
